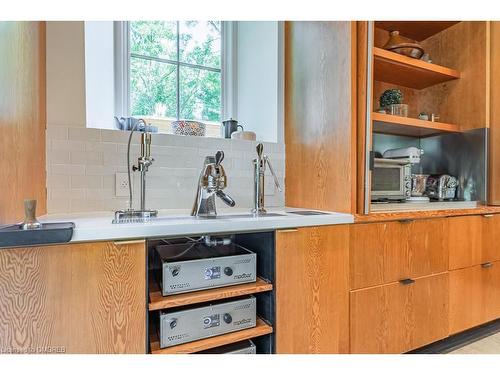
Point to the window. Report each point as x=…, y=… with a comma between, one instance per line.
x=175, y=72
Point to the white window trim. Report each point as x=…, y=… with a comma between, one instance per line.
x=122, y=69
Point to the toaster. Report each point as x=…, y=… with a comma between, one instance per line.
x=441, y=187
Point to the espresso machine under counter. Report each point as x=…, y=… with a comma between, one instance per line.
x=185, y=325
x=194, y=265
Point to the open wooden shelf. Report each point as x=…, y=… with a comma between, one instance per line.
x=416, y=30
x=397, y=125
x=261, y=329
x=157, y=301
x=402, y=70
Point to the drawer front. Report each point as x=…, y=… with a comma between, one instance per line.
x=491, y=238
x=382, y=253
x=397, y=317
x=474, y=296
x=465, y=241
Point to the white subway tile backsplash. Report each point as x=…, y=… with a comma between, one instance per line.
x=86, y=157
x=84, y=134
x=66, y=169
x=82, y=163
x=86, y=182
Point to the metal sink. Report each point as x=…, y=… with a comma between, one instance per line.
x=307, y=213
x=240, y=216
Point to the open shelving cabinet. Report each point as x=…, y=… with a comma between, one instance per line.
x=262, y=334
x=454, y=85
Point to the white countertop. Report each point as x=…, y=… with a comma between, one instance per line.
x=97, y=226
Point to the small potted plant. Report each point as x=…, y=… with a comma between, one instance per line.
x=392, y=102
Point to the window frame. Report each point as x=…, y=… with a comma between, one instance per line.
x=123, y=57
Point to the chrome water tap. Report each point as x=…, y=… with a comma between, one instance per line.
x=259, y=179
x=212, y=182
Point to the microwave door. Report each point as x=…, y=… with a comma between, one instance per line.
x=387, y=182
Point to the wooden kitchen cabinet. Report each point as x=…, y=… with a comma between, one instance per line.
x=74, y=298
x=312, y=290
x=396, y=318
x=386, y=252
x=473, y=240
x=491, y=238
x=474, y=296
x=465, y=239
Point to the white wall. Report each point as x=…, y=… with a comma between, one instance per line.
x=82, y=162
x=259, y=85
x=99, y=74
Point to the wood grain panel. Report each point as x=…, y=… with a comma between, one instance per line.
x=491, y=238
x=494, y=134
x=22, y=118
x=381, y=253
x=396, y=318
x=320, y=130
x=416, y=30
x=474, y=296
x=391, y=216
x=157, y=301
x=78, y=298
x=312, y=296
x=361, y=85
x=464, y=101
x=369, y=246
x=405, y=71
x=465, y=241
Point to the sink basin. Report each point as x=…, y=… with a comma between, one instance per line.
x=307, y=213
x=241, y=216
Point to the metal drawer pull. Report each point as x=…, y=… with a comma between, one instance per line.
x=287, y=230
x=406, y=221
x=487, y=265
x=407, y=281
x=488, y=215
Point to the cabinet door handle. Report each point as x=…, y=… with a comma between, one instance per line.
x=128, y=242
x=487, y=265
x=488, y=216
x=406, y=221
x=406, y=281
x=287, y=230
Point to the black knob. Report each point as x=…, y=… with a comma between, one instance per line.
x=173, y=323
x=228, y=271
x=175, y=272
x=227, y=318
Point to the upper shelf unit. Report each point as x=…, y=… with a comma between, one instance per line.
x=412, y=127
x=405, y=71
x=416, y=30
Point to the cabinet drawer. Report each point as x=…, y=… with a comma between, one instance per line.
x=473, y=240
x=474, y=296
x=397, y=317
x=491, y=238
x=381, y=253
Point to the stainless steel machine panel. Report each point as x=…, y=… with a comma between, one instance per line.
x=241, y=347
x=187, y=325
x=195, y=266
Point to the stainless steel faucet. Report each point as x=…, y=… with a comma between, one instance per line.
x=143, y=163
x=212, y=182
x=259, y=179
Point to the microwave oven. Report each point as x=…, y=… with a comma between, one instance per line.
x=391, y=179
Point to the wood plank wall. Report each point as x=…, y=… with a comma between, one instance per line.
x=320, y=110
x=22, y=118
